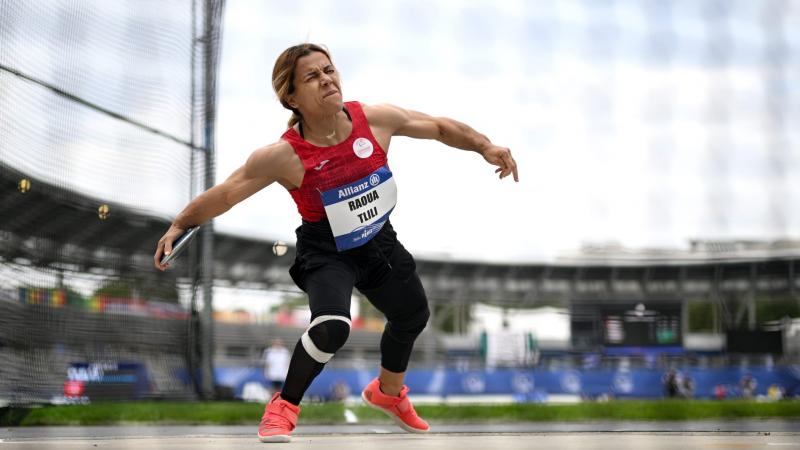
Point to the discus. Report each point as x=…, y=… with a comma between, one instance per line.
x=180, y=245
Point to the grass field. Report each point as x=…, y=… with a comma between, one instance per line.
x=240, y=413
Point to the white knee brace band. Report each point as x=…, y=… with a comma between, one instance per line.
x=308, y=343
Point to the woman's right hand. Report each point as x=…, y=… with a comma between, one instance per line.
x=165, y=245
x=261, y=169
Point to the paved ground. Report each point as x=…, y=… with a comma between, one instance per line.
x=638, y=441
x=767, y=434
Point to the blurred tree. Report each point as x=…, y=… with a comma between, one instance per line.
x=132, y=288
x=773, y=308
x=701, y=315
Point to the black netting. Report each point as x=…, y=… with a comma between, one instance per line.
x=106, y=114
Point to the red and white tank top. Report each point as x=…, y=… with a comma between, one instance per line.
x=350, y=183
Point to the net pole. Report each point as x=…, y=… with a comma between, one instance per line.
x=194, y=257
x=206, y=318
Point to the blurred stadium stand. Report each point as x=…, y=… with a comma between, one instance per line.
x=116, y=100
x=125, y=240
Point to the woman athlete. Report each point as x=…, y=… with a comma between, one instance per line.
x=333, y=161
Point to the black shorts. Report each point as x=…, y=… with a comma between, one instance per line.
x=382, y=269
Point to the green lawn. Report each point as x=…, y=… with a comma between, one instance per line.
x=230, y=413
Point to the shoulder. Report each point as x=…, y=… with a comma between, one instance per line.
x=385, y=115
x=278, y=150
x=382, y=111
x=271, y=156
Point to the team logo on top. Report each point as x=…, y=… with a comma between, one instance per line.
x=374, y=179
x=362, y=148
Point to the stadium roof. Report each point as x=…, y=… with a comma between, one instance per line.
x=50, y=226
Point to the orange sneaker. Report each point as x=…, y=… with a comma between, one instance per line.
x=278, y=421
x=398, y=408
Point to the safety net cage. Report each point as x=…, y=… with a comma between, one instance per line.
x=106, y=125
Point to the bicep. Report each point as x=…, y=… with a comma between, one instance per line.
x=413, y=124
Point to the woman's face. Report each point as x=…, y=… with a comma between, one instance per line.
x=317, y=88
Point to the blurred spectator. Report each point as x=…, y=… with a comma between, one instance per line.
x=671, y=386
x=687, y=386
x=605, y=398
x=276, y=364
x=748, y=386
x=720, y=392
x=775, y=392
x=340, y=391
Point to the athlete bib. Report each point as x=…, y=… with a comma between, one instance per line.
x=358, y=210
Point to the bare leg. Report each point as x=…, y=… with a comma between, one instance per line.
x=391, y=382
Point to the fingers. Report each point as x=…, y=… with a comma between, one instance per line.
x=160, y=251
x=503, y=170
x=157, y=256
x=507, y=165
x=512, y=165
x=167, y=246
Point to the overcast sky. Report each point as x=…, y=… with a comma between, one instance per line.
x=642, y=123
x=642, y=126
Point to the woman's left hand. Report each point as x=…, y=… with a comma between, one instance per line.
x=501, y=157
